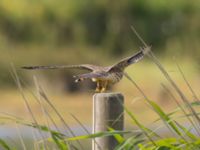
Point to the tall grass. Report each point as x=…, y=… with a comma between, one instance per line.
x=145, y=138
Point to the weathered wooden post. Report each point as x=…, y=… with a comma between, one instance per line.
x=107, y=112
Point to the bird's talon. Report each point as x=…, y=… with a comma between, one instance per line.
x=103, y=90
x=97, y=90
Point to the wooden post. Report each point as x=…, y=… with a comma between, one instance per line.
x=107, y=112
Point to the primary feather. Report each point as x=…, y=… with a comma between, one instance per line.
x=83, y=66
x=130, y=60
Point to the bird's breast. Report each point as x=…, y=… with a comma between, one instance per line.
x=111, y=77
x=115, y=77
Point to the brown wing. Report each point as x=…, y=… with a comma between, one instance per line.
x=130, y=60
x=82, y=66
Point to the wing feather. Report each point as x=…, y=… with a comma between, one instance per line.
x=82, y=66
x=130, y=60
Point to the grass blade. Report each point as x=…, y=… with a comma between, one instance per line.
x=176, y=88
x=156, y=108
x=186, y=81
x=4, y=144
x=145, y=130
x=100, y=134
x=118, y=137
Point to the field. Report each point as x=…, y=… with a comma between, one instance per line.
x=78, y=104
x=46, y=109
x=144, y=73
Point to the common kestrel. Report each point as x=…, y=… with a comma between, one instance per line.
x=103, y=76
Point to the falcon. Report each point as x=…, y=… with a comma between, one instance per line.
x=103, y=76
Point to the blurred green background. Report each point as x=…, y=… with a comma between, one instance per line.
x=46, y=32
x=34, y=32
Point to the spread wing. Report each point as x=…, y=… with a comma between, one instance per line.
x=130, y=60
x=82, y=66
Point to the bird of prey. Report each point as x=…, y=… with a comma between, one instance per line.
x=103, y=76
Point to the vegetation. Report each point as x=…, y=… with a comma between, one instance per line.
x=30, y=29
x=96, y=23
x=181, y=137
x=72, y=31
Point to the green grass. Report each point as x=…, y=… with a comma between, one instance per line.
x=180, y=136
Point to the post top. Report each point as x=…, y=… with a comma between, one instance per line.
x=112, y=94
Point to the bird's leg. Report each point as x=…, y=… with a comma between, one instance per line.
x=104, y=86
x=98, y=88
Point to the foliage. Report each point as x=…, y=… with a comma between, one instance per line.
x=145, y=139
x=104, y=24
x=94, y=26
x=95, y=23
